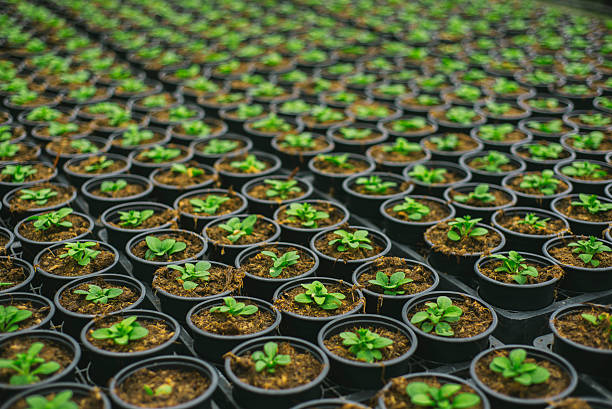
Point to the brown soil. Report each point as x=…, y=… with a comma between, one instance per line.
x=262, y=231
x=77, y=303
x=43, y=172
x=400, y=345
x=545, y=273
x=319, y=143
x=380, y=155
x=558, y=381
x=501, y=199
x=156, y=220
x=259, y=192
x=581, y=213
x=437, y=212
x=465, y=143
x=397, y=398
x=351, y=254
x=63, y=146
x=157, y=137
x=159, y=333
x=402, y=187
x=225, y=208
x=515, y=184
x=335, y=216
x=11, y=273
x=186, y=386
x=80, y=225
x=93, y=400
x=571, y=403
x=39, y=312
x=575, y=328
x=511, y=222
x=52, y=351
x=421, y=276
x=286, y=302
x=468, y=245
x=25, y=153
x=480, y=162
x=566, y=256
x=132, y=189
x=141, y=156
x=357, y=166
x=221, y=280
x=225, y=165
x=227, y=324
x=63, y=195
x=80, y=167
x=259, y=264
x=68, y=267
x=475, y=320
x=194, y=246
x=303, y=369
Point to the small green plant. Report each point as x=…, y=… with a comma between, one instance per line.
x=250, y=164
x=544, y=103
x=60, y=401
x=192, y=273
x=391, y=284
x=325, y=114
x=495, y=132
x=544, y=152
x=122, y=332
x=84, y=146
x=19, y=173
x=181, y=113
x=27, y=366
x=159, y=154
x=185, y=170
x=437, y=317
x=305, y=214
x=234, y=308
x=282, y=188
x=498, y=109
x=340, y=161
x=347, y=240
x=603, y=318
x=11, y=316
x=532, y=220
x=365, y=344
x=269, y=358
x=238, y=228
x=375, y=185
x=133, y=136
x=272, y=123
x=592, y=204
x=47, y=220
x=461, y=115
x=40, y=196
x=280, y=262
x=588, y=249
x=428, y=176
x=161, y=390
x=318, y=294
x=480, y=193
x=210, y=206
x=403, y=147
x=60, y=129
x=590, y=141
x=514, y=366
x=412, y=208
x=545, y=183
x=444, y=397
x=134, y=218
x=96, y=294
x=8, y=150
x=448, y=142
x=463, y=227
x=219, y=146
x=553, y=126
x=110, y=186
x=99, y=164
x=408, y=125
x=80, y=252
x=303, y=140
x=583, y=169
x=199, y=129
x=514, y=264
x=355, y=133
x=595, y=119
x=491, y=162
x=162, y=248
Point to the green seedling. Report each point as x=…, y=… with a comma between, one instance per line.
x=122, y=332
x=305, y=214
x=304, y=141
x=340, y=161
x=449, y=142
x=428, y=176
x=438, y=316
x=409, y=125
x=365, y=344
x=515, y=367
x=159, y=154
x=463, y=227
x=317, y=293
x=412, y=208
x=403, y=147
x=220, y=146
x=444, y=397
x=461, y=115
x=134, y=218
x=347, y=240
x=48, y=220
x=110, y=186
x=514, y=264
x=60, y=129
x=210, y=205
x=198, y=129
x=238, y=228
x=480, y=193
x=495, y=132
x=60, y=401
x=585, y=169
x=192, y=273
x=532, y=220
x=161, y=390
x=162, y=248
x=185, y=170
x=250, y=164
x=603, y=318
x=234, y=308
x=588, y=249
x=375, y=185
x=269, y=358
x=11, y=316
x=96, y=294
x=19, y=173
x=272, y=123
x=134, y=137
x=281, y=262
x=8, y=150
x=545, y=183
x=391, y=284
x=590, y=141
x=592, y=204
x=545, y=152
x=551, y=127
x=39, y=197
x=355, y=133
x=491, y=162
x=26, y=367
x=99, y=164
x=282, y=188
x=80, y=252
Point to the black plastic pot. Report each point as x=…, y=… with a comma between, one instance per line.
x=78, y=389
x=213, y=347
x=526, y=242
x=421, y=188
x=363, y=204
x=502, y=401
x=268, y=207
x=167, y=194
x=589, y=360
x=6, y=187
x=341, y=268
x=25, y=284
x=265, y=287
x=144, y=269
x=447, y=349
x=537, y=201
x=330, y=404
x=306, y=327
x=333, y=181
x=105, y=364
x=78, y=179
x=118, y=236
x=67, y=374
x=227, y=253
x=582, y=226
x=581, y=279
x=210, y=159
x=204, y=401
x=359, y=374
x=99, y=204
x=146, y=168
x=237, y=180
x=16, y=216
x=536, y=164
x=74, y=321
x=596, y=187
x=484, y=176
x=483, y=212
x=38, y=302
x=196, y=222
x=276, y=398
x=356, y=146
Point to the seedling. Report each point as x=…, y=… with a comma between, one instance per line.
x=19, y=173
x=340, y=161
x=347, y=240
x=80, y=252
x=535, y=221
x=96, y=294
x=60, y=401
x=11, y=316
x=365, y=344
x=544, y=103
x=122, y=332
x=590, y=141
x=504, y=86
x=480, y=193
x=84, y=146
x=414, y=209
x=428, y=176
x=355, y=133
x=210, y=205
x=375, y=185
x=514, y=264
x=161, y=390
x=324, y=114
x=159, y=154
x=318, y=294
x=28, y=366
x=438, y=316
x=301, y=141
x=272, y=123
x=234, y=308
x=100, y=164
x=250, y=164
x=60, y=129
x=282, y=188
x=5, y=133
x=192, y=273
x=245, y=111
x=515, y=367
x=468, y=92
x=305, y=214
x=491, y=162
x=545, y=152
x=448, y=142
x=269, y=358
x=584, y=170
x=588, y=249
x=162, y=248
x=134, y=218
x=594, y=119
x=285, y=260
x=47, y=220
x=597, y=320
x=180, y=113
x=408, y=125
x=391, y=284
x=8, y=150
x=553, y=126
x=592, y=204
x=238, y=228
x=199, y=129
x=428, y=100
x=297, y=106
x=444, y=397
x=40, y=196
x=545, y=183
x=495, y=132
x=110, y=186
x=403, y=147
x=220, y=146
x=463, y=227
x=133, y=136
x=461, y=115
x=184, y=170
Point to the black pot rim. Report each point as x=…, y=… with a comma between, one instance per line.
x=46, y=274
x=57, y=385
x=383, y=175
x=260, y=180
x=314, y=231
x=592, y=183
x=527, y=256
x=30, y=274
x=207, y=191
x=137, y=178
x=525, y=209
x=385, y=240
x=386, y=204
x=556, y=240
x=438, y=163
x=157, y=264
x=105, y=222
x=574, y=344
x=51, y=243
x=513, y=198
x=31, y=296
x=574, y=196
x=240, y=246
